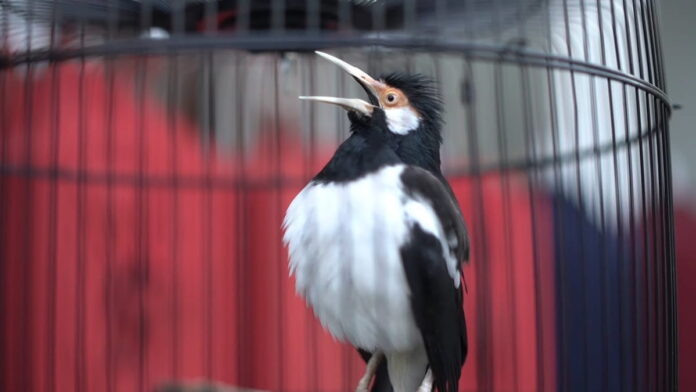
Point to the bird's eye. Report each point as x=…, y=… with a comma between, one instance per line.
x=391, y=97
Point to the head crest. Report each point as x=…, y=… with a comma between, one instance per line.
x=422, y=93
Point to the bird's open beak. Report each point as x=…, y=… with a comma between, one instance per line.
x=372, y=86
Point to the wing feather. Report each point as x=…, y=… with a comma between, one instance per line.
x=437, y=192
x=437, y=308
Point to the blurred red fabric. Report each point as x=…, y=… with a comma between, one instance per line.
x=113, y=281
x=685, y=228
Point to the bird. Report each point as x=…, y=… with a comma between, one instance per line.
x=376, y=240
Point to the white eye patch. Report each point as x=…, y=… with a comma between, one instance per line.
x=402, y=120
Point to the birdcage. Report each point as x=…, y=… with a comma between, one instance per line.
x=148, y=150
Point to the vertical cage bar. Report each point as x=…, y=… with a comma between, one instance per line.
x=344, y=15
x=172, y=168
x=409, y=15
x=580, y=199
x=604, y=264
x=243, y=346
x=210, y=11
x=174, y=248
x=4, y=264
x=178, y=17
x=52, y=279
x=110, y=83
x=658, y=230
x=507, y=216
x=278, y=15
x=80, y=304
x=26, y=319
x=657, y=239
x=379, y=16
x=655, y=30
x=484, y=357
x=441, y=11
x=243, y=16
x=207, y=209
x=674, y=369
x=624, y=265
x=629, y=41
x=650, y=44
x=641, y=351
x=558, y=220
x=532, y=182
x=666, y=252
x=615, y=32
x=140, y=218
x=311, y=152
x=277, y=234
x=313, y=15
x=638, y=373
x=645, y=246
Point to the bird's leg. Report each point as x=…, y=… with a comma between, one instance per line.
x=427, y=384
x=370, y=370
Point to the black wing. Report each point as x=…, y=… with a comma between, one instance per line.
x=437, y=308
x=438, y=193
x=436, y=302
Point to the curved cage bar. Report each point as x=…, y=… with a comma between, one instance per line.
x=149, y=149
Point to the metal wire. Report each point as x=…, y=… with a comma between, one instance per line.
x=149, y=150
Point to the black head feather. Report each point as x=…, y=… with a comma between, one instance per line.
x=424, y=96
x=420, y=147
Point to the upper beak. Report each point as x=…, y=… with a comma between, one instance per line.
x=372, y=87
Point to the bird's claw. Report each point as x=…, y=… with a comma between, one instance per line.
x=370, y=369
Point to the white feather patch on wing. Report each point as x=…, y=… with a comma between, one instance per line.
x=419, y=211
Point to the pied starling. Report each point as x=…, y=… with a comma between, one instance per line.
x=376, y=239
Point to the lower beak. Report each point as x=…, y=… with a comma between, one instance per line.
x=357, y=105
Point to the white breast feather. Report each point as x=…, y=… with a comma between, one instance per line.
x=344, y=241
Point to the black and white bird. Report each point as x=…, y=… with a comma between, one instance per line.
x=376, y=239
